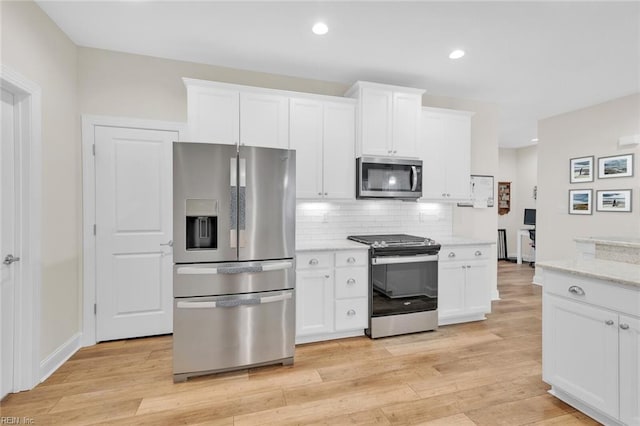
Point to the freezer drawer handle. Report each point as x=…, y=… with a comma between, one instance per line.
x=233, y=302
x=276, y=266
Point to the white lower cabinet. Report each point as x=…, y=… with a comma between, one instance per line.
x=591, y=349
x=463, y=284
x=332, y=299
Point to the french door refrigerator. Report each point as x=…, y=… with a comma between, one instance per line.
x=233, y=250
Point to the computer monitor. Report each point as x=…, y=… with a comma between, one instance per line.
x=530, y=217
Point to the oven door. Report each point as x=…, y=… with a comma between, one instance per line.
x=389, y=178
x=404, y=284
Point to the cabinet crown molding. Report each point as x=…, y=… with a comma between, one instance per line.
x=353, y=90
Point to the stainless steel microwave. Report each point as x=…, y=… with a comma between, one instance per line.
x=382, y=177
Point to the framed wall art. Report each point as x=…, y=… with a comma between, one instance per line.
x=581, y=169
x=613, y=200
x=615, y=166
x=580, y=201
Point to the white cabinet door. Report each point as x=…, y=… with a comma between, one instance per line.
x=213, y=115
x=477, y=292
x=581, y=352
x=306, y=138
x=339, y=151
x=264, y=120
x=451, y=289
x=433, y=154
x=406, y=124
x=314, y=302
x=352, y=314
x=629, y=370
x=376, y=121
x=134, y=291
x=458, y=152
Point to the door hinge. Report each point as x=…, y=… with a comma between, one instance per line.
x=95, y=308
x=94, y=229
x=93, y=149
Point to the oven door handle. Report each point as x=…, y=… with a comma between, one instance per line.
x=403, y=259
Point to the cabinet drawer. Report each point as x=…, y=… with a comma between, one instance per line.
x=314, y=260
x=352, y=314
x=448, y=254
x=351, y=282
x=593, y=291
x=352, y=258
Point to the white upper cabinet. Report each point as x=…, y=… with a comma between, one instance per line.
x=445, y=150
x=323, y=134
x=230, y=114
x=388, y=119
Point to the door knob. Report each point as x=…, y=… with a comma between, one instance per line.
x=351, y=281
x=9, y=259
x=624, y=326
x=169, y=244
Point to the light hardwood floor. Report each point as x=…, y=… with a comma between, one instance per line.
x=481, y=373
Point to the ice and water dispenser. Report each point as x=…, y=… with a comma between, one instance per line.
x=202, y=224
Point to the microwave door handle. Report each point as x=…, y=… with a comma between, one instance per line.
x=414, y=178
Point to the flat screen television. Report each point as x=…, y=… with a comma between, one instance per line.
x=530, y=217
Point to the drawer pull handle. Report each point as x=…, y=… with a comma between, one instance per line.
x=313, y=262
x=452, y=254
x=624, y=326
x=351, y=260
x=351, y=281
x=574, y=289
x=478, y=253
x=351, y=312
x=609, y=322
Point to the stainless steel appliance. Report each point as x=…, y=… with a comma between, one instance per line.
x=381, y=177
x=233, y=248
x=403, y=275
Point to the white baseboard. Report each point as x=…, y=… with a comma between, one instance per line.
x=537, y=280
x=58, y=357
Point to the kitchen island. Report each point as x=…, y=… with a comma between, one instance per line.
x=591, y=329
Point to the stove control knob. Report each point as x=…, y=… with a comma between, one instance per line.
x=383, y=243
x=376, y=244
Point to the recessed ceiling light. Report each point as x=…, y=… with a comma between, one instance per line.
x=320, y=28
x=534, y=140
x=456, y=54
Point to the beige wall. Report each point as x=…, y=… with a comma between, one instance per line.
x=34, y=47
x=590, y=131
x=520, y=167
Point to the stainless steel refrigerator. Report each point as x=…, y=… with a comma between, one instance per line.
x=233, y=250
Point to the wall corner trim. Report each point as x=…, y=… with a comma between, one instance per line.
x=58, y=357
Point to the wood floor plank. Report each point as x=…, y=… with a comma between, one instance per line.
x=479, y=373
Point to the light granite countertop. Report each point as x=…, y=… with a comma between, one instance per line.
x=332, y=245
x=631, y=242
x=462, y=241
x=617, y=272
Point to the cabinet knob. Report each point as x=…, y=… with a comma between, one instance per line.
x=609, y=322
x=394, y=151
x=624, y=326
x=444, y=194
x=478, y=253
x=319, y=193
x=351, y=281
x=452, y=254
x=327, y=276
x=313, y=262
x=351, y=260
x=574, y=289
x=464, y=266
x=389, y=152
x=351, y=312
x=448, y=195
x=326, y=193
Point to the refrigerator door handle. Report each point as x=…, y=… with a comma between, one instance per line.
x=267, y=267
x=242, y=202
x=233, y=213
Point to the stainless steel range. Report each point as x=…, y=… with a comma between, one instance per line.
x=403, y=275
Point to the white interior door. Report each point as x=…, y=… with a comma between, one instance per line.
x=7, y=243
x=133, y=228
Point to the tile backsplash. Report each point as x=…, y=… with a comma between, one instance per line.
x=337, y=220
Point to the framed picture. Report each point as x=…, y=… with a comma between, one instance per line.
x=580, y=201
x=581, y=169
x=614, y=200
x=615, y=166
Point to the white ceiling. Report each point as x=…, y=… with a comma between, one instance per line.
x=534, y=59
